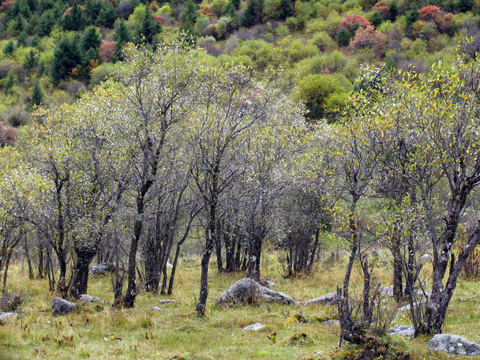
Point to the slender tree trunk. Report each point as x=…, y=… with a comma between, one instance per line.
x=129, y=299
x=7, y=263
x=29, y=262
x=80, y=280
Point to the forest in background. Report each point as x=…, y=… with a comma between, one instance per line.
x=51, y=52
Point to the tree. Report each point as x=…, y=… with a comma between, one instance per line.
x=31, y=60
x=150, y=27
x=22, y=39
x=286, y=9
x=252, y=14
x=46, y=23
x=121, y=37
x=74, y=19
x=37, y=95
x=10, y=82
x=351, y=22
x=91, y=40
x=9, y=48
x=189, y=16
x=66, y=59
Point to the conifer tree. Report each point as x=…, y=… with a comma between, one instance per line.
x=75, y=20
x=150, y=27
x=253, y=13
x=66, y=58
x=10, y=82
x=22, y=39
x=31, y=60
x=46, y=23
x=37, y=95
x=189, y=16
x=9, y=48
x=376, y=19
x=286, y=9
x=122, y=36
x=91, y=40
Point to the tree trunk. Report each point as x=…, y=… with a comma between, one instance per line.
x=131, y=293
x=29, y=262
x=80, y=280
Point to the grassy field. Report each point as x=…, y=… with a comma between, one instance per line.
x=176, y=333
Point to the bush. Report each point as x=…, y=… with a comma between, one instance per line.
x=101, y=73
x=11, y=301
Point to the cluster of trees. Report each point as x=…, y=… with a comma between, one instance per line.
x=177, y=142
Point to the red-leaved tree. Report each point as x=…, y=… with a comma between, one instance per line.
x=430, y=13
x=353, y=21
x=107, y=50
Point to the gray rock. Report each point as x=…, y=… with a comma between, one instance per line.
x=267, y=283
x=7, y=315
x=328, y=299
x=165, y=301
x=407, y=307
x=253, y=327
x=425, y=258
x=331, y=322
x=453, y=344
x=101, y=268
x=387, y=291
x=402, y=330
x=62, y=307
x=247, y=290
x=169, y=266
x=155, y=308
x=84, y=298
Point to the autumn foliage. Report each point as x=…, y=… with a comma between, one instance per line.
x=107, y=50
x=430, y=13
x=369, y=38
x=351, y=21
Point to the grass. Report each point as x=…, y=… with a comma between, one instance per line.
x=176, y=333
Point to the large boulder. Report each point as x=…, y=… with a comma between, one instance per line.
x=453, y=344
x=328, y=299
x=62, y=307
x=101, y=268
x=247, y=290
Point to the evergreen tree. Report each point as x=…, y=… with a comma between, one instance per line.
x=75, y=20
x=66, y=58
x=189, y=16
x=412, y=15
x=230, y=10
x=122, y=36
x=9, y=48
x=22, y=39
x=393, y=10
x=31, y=60
x=286, y=9
x=10, y=82
x=253, y=13
x=107, y=16
x=465, y=5
x=150, y=27
x=35, y=41
x=376, y=19
x=91, y=40
x=343, y=37
x=37, y=95
x=46, y=23
x=236, y=3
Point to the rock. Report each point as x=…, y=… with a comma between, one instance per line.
x=331, y=322
x=253, y=327
x=425, y=258
x=165, y=301
x=402, y=330
x=84, y=298
x=169, y=266
x=247, y=290
x=7, y=315
x=407, y=307
x=453, y=344
x=62, y=307
x=101, y=268
x=267, y=283
x=387, y=291
x=155, y=308
x=328, y=299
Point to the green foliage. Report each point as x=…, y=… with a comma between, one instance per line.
x=343, y=37
x=9, y=48
x=286, y=9
x=31, y=60
x=67, y=59
x=189, y=16
x=252, y=14
x=323, y=95
x=37, y=95
x=46, y=23
x=22, y=39
x=376, y=19
x=75, y=20
x=122, y=36
x=10, y=82
x=150, y=28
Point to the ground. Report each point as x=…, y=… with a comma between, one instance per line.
x=177, y=333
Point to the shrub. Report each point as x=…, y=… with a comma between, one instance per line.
x=352, y=21
x=11, y=301
x=429, y=13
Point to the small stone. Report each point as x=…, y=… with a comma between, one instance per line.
x=328, y=299
x=253, y=327
x=166, y=301
x=155, y=308
x=62, y=307
x=7, y=315
x=84, y=298
x=331, y=322
x=402, y=330
x=407, y=307
x=169, y=266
